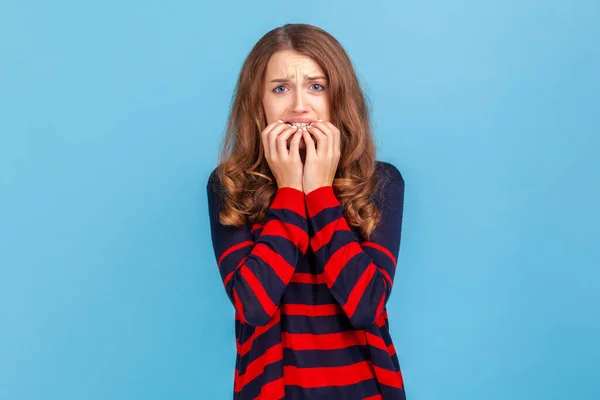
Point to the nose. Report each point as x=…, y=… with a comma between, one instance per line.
x=300, y=104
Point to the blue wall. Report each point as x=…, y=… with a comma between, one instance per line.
x=111, y=116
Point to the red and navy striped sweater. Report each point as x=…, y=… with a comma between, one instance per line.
x=310, y=295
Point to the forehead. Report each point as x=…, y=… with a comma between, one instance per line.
x=287, y=63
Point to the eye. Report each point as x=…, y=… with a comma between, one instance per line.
x=278, y=91
x=318, y=84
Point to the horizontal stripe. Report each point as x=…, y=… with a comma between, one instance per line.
x=328, y=358
x=302, y=293
x=318, y=325
x=328, y=341
x=332, y=376
x=360, y=390
x=376, y=397
x=290, y=199
x=311, y=310
x=315, y=279
x=319, y=199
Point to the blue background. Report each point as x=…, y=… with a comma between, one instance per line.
x=111, y=117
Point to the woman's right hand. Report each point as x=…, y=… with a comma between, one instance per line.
x=285, y=164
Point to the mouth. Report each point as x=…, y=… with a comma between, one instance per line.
x=300, y=124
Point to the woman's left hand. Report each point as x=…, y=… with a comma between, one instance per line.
x=321, y=160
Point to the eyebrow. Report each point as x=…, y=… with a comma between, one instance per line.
x=310, y=78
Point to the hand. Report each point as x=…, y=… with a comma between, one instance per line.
x=321, y=160
x=285, y=165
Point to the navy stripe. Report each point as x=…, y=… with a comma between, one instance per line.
x=326, y=358
x=357, y=391
x=252, y=389
x=307, y=293
x=264, y=341
x=317, y=325
x=287, y=216
x=325, y=216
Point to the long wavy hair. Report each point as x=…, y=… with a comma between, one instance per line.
x=247, y=183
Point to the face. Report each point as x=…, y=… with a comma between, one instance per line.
x=295, y=90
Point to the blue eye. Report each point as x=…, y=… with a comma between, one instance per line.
x=275, y=90
x=318, y=84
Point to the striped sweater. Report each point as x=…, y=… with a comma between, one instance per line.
x=310, y=295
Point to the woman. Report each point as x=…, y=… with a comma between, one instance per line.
x=305, y=226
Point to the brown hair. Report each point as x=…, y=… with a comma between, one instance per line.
x=248, y=185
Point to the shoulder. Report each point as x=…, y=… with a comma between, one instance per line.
x=390, y=184
x=213, y=185
x=387, y=171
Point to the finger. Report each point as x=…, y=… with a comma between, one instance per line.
x=265, y=135
x=282, y=139
x=311, y=152
x=333, y=135
x=272, y=138
x=335, y=138
x=321, y=139
x=295, y=143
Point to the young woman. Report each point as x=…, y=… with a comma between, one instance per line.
x=305, y=226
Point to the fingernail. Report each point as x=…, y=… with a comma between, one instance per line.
x=319, y=120
x=279, y=120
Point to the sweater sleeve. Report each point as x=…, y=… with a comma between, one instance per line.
x=359, y=273
x=256, y=273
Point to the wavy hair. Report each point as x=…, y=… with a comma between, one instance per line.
x=247, y=183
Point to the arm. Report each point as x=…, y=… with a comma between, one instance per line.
x=359, y=275
x=255, y=274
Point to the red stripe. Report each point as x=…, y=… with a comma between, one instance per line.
x=256, y=367
x=315, y=279
x=288, y=198
x=264, y=299
x=280, y=266
x=389, y=378
x=273, y=390
x=380, y=248
x=256, y=227
x=243, y=349
x=376, y=341
x=359, y=289
x=320, y=199
x=311, y=311
x=329, y=341
x=323, y=236
x=338, y=261
x=391, y=349
x=232, y=249
x=328, y=376
x=376, y=397
x=238, y=305
x=293, y=233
